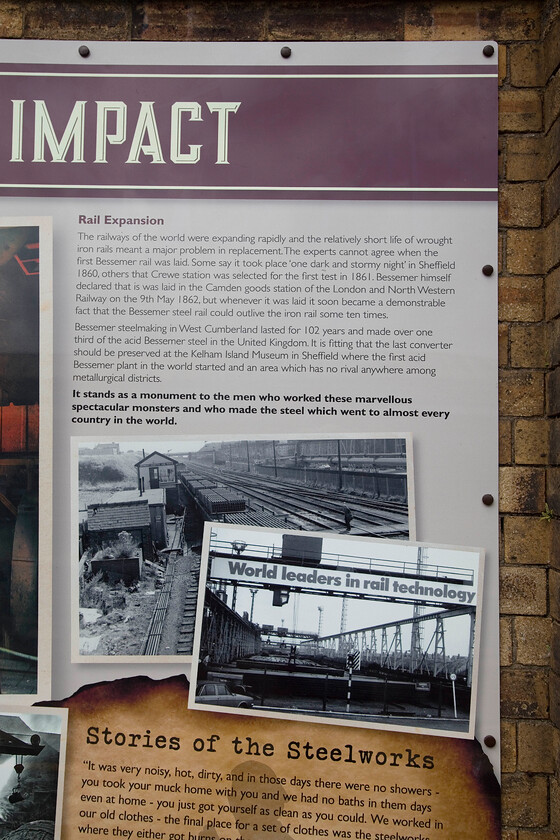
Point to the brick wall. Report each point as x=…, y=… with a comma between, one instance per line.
x=528, y=32
x=550, y=64
x=529, y=305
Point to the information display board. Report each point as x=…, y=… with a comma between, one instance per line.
x=275, y=288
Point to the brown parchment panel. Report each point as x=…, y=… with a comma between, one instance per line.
x=141, y=765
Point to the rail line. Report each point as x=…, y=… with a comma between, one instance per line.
x=287, y=504
x=155, y=629
x=312, y=508
x=152, y=641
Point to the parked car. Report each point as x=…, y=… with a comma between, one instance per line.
x=219, y=694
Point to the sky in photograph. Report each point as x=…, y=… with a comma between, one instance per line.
x=162, y=445
x=172, y=445
x=15, y=723
x=49, y=723
x=302, y=610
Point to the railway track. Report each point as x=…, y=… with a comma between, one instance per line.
x=186, y=629
x=152, y=641
x=311, y=508
x=287, y=504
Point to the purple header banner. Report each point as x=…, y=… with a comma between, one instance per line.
x=378, y=132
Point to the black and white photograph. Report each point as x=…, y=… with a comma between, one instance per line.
x=142, y=505
x=341, y=629
x=32, y=756
x=25, y=477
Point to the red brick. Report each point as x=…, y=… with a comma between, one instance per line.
x=553, y=392
x=520, y=109
x=502, y=241
x=524, y=800
x=520, y=205
x=551, y=245
x=553, y=492
x=550, y=48
x=535, y=746
x=505, y=442
x=551, y=148
x=555, y=594
x=524, y=251
x=508, y=743
x=522, y=490
x=502, y=158
x=555, y=702
x=523, y=591
x=551, y=204
x=217, y=20
x=555, y=440
x=356, y=20
x=555, y=651
x=528, y=345
x=552, y=296
x=526, y=64
x=502, y=63
x=531, y=441
x=448, y=21
x=521, y=393
x=525, y=158
x=83, y=19
x=527, y=540
x=524, y=693
x=521, y=298
x=554, y=527
x=555, y=805
x=551, y=103
x=555, y=343
x=506, y=641
x=503, y=345
x=11, y=20
x=532, y=640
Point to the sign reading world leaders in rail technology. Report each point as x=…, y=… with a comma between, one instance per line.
x=251, y=243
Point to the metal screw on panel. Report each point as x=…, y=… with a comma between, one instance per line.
x=488, y=499
x=83, y=51
x=488, y=50
x=286, y=52
x=488, y=270
x=489, y=741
